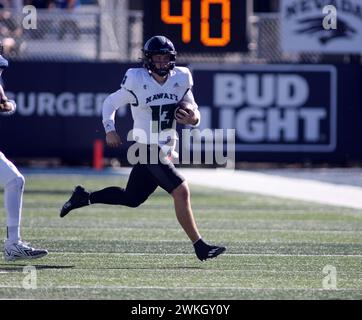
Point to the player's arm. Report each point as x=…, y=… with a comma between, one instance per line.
x=193, y=116
x=7, y=107
x=110, y=106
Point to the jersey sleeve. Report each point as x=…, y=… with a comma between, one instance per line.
x=128, y=80
x=186, y=77
x=111, y=104
x=189, y=97
x=189, y=79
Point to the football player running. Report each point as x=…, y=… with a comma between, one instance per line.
x=13, y=182
x=153, y=92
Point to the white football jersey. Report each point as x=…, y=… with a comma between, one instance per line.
x=152, y=104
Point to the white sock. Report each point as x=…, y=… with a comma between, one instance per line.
x=13, y=201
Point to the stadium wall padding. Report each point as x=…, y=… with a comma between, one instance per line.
x=282, y=113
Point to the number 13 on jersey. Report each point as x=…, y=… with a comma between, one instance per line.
x=162, y=117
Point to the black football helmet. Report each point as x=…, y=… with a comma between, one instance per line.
x=159, y=45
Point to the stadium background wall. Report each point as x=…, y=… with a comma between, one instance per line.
x=59, y=111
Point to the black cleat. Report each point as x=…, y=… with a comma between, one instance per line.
x=79, y=198
x=205, y=251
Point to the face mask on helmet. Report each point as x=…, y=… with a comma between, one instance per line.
x=159, y=55
x=161, y=64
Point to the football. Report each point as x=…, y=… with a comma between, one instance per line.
x=184, y=105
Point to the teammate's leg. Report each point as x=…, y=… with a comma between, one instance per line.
x=13, y=182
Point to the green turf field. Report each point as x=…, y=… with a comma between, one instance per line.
x=277, y=249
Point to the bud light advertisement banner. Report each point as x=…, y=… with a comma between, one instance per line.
x=274, y=108
x=321, y=26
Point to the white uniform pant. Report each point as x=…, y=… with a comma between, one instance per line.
x=8, y=171
x=13, y=182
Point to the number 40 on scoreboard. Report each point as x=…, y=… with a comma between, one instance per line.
x=198, y=26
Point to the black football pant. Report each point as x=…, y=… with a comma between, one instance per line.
x=142, y=182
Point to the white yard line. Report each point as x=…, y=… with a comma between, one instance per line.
x=291, y=188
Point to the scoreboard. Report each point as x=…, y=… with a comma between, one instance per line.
x=198, y=26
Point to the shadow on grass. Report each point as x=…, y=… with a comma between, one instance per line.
x=151, y=268
x=44, y=191
x=20, y=267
